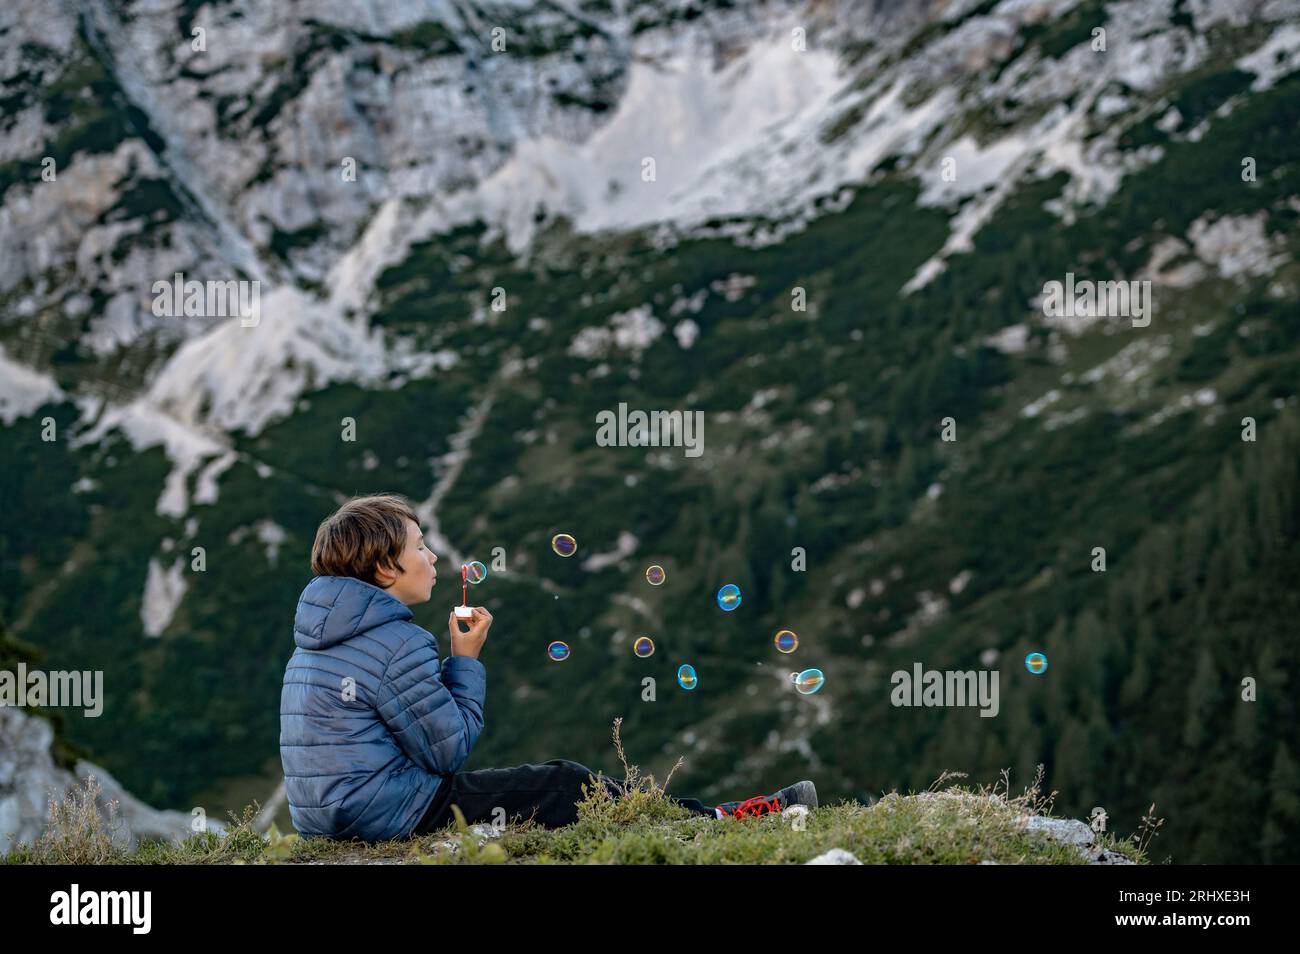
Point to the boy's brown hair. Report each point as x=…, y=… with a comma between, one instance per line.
x=364, y=532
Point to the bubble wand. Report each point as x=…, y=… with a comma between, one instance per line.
x=463, y=611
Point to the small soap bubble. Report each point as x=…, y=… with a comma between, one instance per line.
x=558, y=651
x=729, y=597
x=786, y=641
x=655, y=575
x=644, y=646
x=686, y=677
x=564, y=545
x=475, y=572
x=1036, y=663
x=808, y=681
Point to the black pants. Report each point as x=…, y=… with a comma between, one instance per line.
x=547, y=793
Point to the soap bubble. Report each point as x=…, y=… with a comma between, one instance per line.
x=808, y=681
x=655, y=575
x=686, y=677
x=564, y=545
x=558, y=651
x=644, y=646
x=786, y=641
x=729, y=597
x=1036, y=663
x=475, y=572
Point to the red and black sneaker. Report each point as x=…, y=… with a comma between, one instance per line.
x=800, y=793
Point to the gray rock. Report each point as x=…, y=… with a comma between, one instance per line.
x=1104, y=856
x=29, y=778
x=836, y=856
x=1068, y=831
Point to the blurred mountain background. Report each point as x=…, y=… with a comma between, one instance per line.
x=796, y=145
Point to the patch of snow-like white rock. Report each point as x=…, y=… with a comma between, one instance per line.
x=1010, y=340
x=632, y=331
x=241, y=377
x=1171, y=265
x=270, y=534
x=724, y=142
x=1132, y=364
x=1035, y=407
x=205, y=487
x=163, y=590
x=144, y=425
x=1237, y=245
x=23, y=390
x=686, y=331
x=1277, y=57
x=624, y=547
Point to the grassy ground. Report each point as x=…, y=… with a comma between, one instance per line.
x=948, y=824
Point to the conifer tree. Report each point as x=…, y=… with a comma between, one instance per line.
x=1202, y=695
x=1280, y=837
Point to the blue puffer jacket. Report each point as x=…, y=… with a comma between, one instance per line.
x=365, y=759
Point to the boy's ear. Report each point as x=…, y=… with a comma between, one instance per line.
x=384, y=576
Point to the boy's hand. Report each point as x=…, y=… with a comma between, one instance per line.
x=469, y=642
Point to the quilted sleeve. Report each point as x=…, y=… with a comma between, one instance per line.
x=435, y=712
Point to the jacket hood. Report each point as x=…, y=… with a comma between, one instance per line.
x=336, y=608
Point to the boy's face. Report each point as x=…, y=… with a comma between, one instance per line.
x=414, y=583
